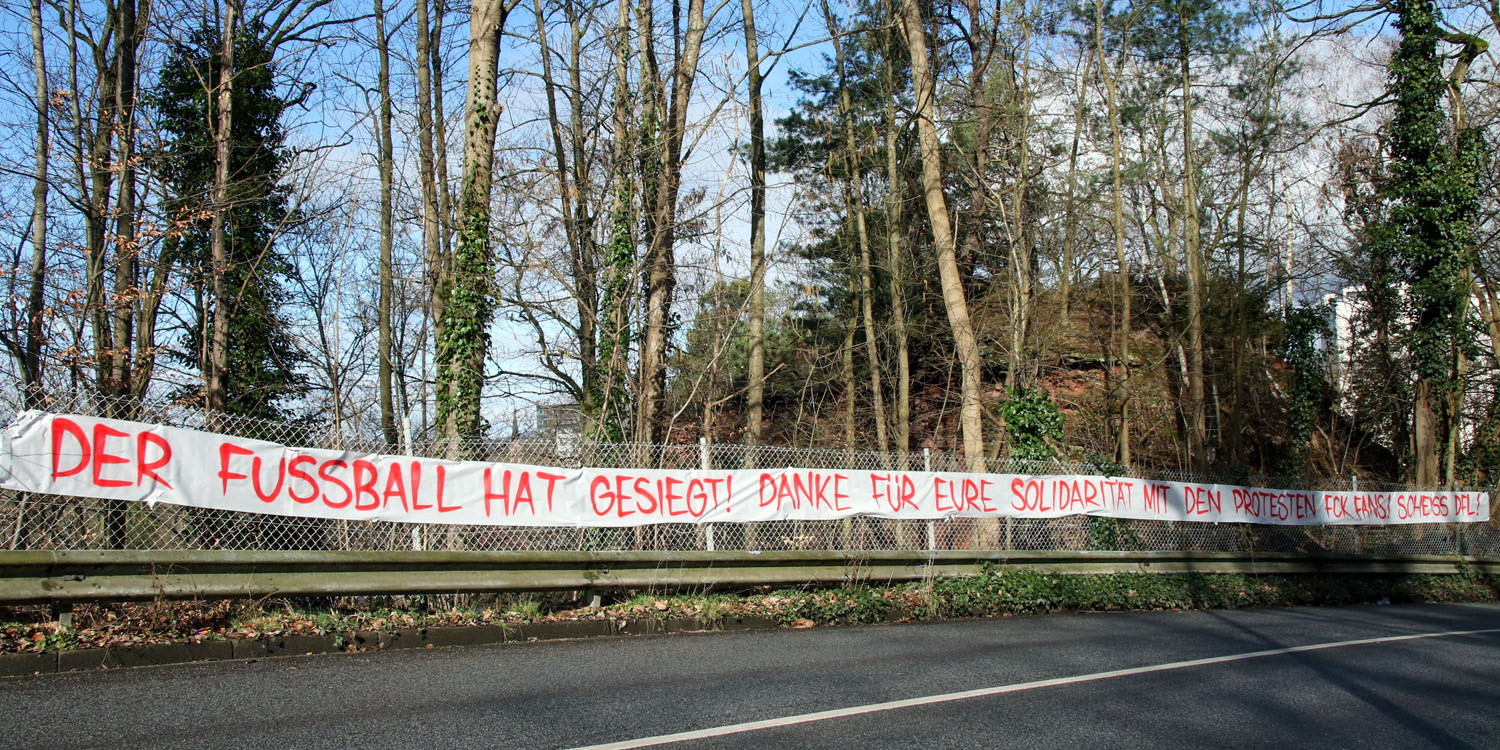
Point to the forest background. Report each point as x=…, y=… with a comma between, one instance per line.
x=1246, y=237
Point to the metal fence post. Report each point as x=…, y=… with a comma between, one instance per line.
x=705, y=462
x=931, y=525
x=1359, y=535
x=416, y=528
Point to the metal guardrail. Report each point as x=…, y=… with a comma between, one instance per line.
x=117, y=575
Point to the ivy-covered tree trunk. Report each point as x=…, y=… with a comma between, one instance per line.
x=466, y=316
x=1304, y=325
x=118, y=382
x=619, y=256
x=1434, y=205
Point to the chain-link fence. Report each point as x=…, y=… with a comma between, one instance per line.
x=30, y=521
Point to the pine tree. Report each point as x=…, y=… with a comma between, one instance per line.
x=262, y=376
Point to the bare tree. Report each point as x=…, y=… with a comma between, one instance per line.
x=755, y=396
x=218, y=353
x=965, y=345
x=855, y=199
x=1119, y=391
x=29, y=351
x=666, y=123
x=896, y=179
x=386, y=160
x=427, y=171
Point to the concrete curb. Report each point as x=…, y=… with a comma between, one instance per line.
x=123, y=657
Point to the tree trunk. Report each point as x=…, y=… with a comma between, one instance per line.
x=755, y=397
x=856, y=202
x=893, y=234
x=982, y=124
x=384, y=345
x=95, y=192
x=661, y=270
x=126, y=246
x=1019, y=367
x=1070, y=205
x=586, y=264
x=1424, y=434
x=572, y=192
x=1197, y=424
x=1471, y=48
x=125, y=242
x=445, y=200
x=1120, y=399
x=1488, y=301
x=1237, y=339
x=614, y=341
x=218, y=353
x=851, y=389
x=31, y=349
x=436, y=259
x=465, y=339
x=965, y=345
x=660, y=277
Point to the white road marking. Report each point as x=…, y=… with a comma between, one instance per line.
x=838, y=713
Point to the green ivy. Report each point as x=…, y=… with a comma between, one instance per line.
x=1033, y=423
x=614, y=345
x=1435, y=199
x=1304, y=324
x=466, y=318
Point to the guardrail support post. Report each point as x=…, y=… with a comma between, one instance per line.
x=63, y=614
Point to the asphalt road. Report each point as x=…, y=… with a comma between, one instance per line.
x=1441, y=691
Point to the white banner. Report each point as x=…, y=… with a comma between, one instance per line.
x=109, y=458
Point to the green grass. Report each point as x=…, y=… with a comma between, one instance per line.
x=997, y=592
